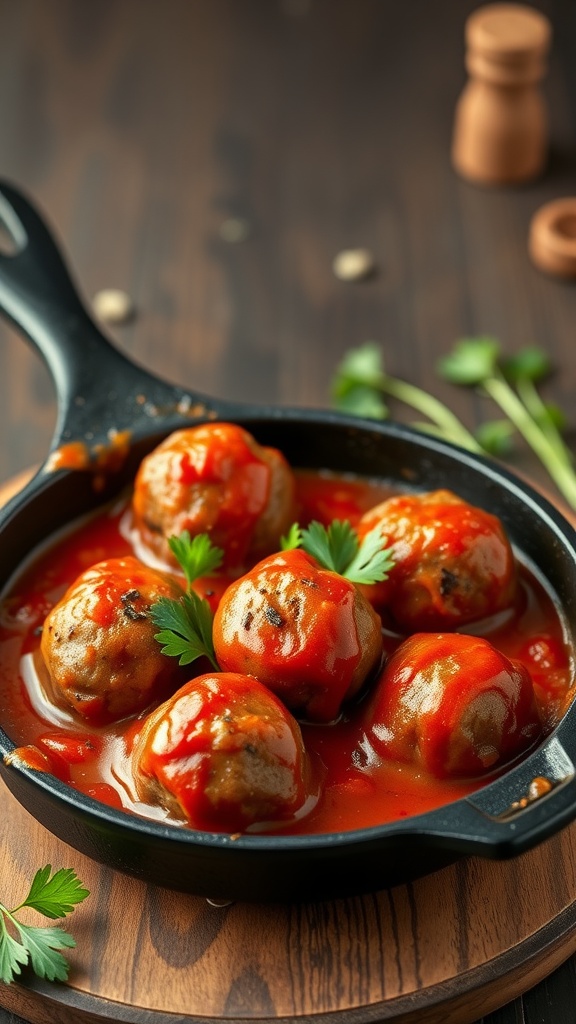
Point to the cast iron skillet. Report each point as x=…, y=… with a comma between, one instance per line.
x=100, y=391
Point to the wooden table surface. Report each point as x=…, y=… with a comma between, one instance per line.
x=151, y=132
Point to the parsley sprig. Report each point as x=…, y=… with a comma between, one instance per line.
x=185, y=628
x=198, y=557
x=54, y=896
x=338, y=548
x=186, y=623
x=361, y=384
x=511, y=384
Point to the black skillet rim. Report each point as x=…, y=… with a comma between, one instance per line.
x=451, y=833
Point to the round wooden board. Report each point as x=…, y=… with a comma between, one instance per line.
x=450, y=947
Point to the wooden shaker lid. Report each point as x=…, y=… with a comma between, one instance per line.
x=507, y=42
x=552, y=237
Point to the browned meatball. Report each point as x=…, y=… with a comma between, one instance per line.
x=304, y=631
x=214, y=479
x=98, y=642
x=453, y=563
x=453, y=704
x=222, y=753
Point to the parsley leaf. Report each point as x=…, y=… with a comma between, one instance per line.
x=42, y=945
x=334, y=547
x=471, y=361
x=530, y=363
x=372, y=562
x=511, y=383
x=361, y=384
x=197, y=557
x=13, y=955
x=337, y=548
x=54, y=896
x=360, y=367
x=365, y=401
x=293, y=538
x=186, y=624
x=185, y=628
x=495, y=436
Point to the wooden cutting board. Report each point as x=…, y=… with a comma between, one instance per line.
x=447, y=948
x=450, y=947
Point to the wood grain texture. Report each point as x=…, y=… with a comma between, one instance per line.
x=447, y=948
x=141, y=133
x=323, y=124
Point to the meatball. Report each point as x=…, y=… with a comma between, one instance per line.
x=453, y=563
x=98, y=642
x=214, y=479
x=453, y=704
x=306, y=632
x=222, y=753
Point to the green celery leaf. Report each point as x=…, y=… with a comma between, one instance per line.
x=361, y=365
x=361, y=400
x=530, y=363
x=471, y=361
x=554, y=415
x=358, y=382
x=495, y=436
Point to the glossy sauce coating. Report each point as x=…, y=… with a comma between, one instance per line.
x=452, y=704
x=98, y=643
x=222, y=753
x=453, y=561
x=359, y=788
x=214, y=479
x=307, y=633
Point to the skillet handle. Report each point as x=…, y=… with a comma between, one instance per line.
x=505, y=819
x=99, y=391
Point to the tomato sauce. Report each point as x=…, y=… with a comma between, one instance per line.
x=356, y=787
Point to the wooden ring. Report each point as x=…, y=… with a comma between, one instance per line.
x=552, y=237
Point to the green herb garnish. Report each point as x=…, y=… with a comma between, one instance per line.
x=360, y=382
x=186, y=623
x=511, y=384
x=197, y=557
x=53, y=896
x=293, y=538
x=337, y=548
x=185, y=628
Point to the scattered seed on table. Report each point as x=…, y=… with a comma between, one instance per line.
x=234, y=229
x=353, y=264
x=113, y=306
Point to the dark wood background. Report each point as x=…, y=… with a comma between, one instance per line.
x=143, y=126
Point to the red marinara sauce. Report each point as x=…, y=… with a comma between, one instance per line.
x=356, y=788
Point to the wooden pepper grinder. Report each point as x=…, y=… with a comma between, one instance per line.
x=500, y=130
